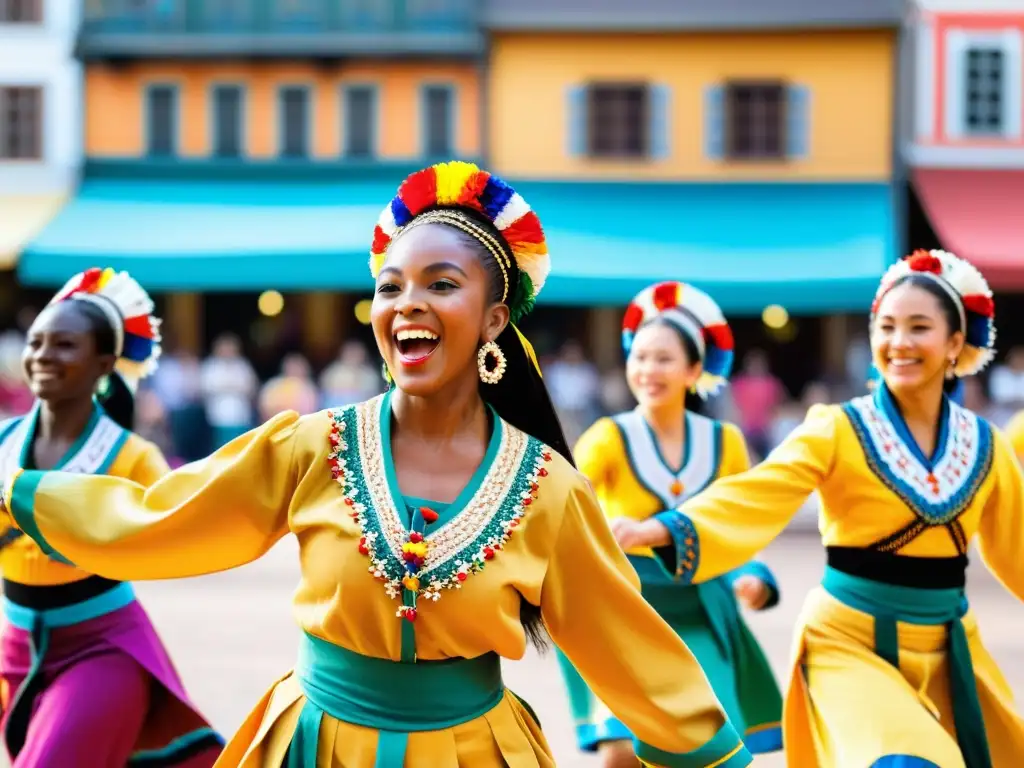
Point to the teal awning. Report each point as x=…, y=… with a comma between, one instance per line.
x=813, y=248
x=209, y=236
x=810, y=247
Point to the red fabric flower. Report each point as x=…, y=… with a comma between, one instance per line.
x=922, y=261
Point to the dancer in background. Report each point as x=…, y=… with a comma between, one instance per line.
x=678, y=346
x=890, y=669
x=79, y=655
x=438, y=531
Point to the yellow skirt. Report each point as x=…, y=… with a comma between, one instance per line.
x=847, y=707
x=505, y=736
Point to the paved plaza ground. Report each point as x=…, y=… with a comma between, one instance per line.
x=232, y=634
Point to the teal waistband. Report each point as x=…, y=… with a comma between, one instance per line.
x=28, y=618
x=395, y=698
x=889, y=604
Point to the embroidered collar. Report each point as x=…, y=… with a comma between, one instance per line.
x=701, y=457
x=939, y=488
x=434, y=552
x=91, y=454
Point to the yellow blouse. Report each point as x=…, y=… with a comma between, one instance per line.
x=103, y=448
x=621, y=458
x=877, y=490
x=328, y=479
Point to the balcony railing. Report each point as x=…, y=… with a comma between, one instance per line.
x=278, y=26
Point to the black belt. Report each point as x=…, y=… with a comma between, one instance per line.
x=900, y=570
x=42, y=598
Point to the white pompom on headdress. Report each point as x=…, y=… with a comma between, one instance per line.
x=129, y=309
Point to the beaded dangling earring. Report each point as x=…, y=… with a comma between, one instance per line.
x=490, y=376
x=386, y=374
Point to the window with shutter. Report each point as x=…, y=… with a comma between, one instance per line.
x=21, y=123
x=618, y=120
x=227, y=121
x=360, y=111
x=755, y=121
x=294, y=121
x=21, y=11
x=162, y=112
x=438, y=103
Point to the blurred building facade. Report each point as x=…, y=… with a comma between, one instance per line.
x=747, y=147
x=40, y=121
x=234, y=147
x=242, y=147
x=965, y=143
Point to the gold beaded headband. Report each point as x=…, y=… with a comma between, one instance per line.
x=464, y=223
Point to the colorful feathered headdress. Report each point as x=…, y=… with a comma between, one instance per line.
x=439, y=192
x=693, y=313
x=130, y=311
x=969, y=291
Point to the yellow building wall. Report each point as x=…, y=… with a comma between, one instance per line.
x=115, y=112
x=850, y=76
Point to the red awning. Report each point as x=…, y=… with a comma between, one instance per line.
x=978, y=215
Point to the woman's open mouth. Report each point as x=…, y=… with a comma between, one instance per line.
x=415, y=345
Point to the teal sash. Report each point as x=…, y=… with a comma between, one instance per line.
x=714, y=603
x=392, y=697
x=890, y=604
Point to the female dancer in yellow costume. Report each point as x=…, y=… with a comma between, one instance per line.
x=86, y=681
x=438, y=531
x=889, y=667
x=677, y=346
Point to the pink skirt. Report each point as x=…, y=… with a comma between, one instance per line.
x=63, y=660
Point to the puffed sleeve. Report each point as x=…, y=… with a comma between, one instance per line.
x=212, y=515
x=736, y=517
x=1001, y=529
x=631, y=659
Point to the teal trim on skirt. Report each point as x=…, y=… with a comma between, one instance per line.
x=707, y=618
x=889, y=604
x=396, y=698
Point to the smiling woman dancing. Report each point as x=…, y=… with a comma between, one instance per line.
x=678, y=346
x=437, y=529
x=79, y=656
x=890, y=670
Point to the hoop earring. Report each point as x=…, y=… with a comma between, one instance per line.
x=487, y=376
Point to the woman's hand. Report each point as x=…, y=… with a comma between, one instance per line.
x=752, y=592
x=640, y=533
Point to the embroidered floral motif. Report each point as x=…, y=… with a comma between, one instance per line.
x=939, y=495
x=414, y=564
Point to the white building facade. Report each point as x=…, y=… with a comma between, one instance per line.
x=40, y=116
x=964, y=137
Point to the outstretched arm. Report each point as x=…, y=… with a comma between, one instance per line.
x=631, y=659
x=738, y=516
x=212, y=515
